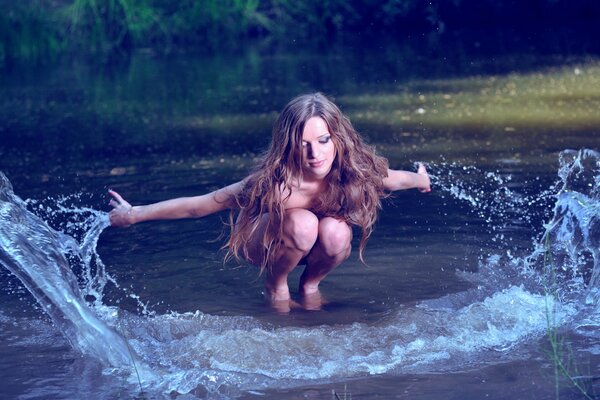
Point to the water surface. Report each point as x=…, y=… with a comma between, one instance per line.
x=445, y=304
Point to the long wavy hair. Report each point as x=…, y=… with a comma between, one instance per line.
x=353, y=187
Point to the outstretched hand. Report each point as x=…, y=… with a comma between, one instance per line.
x=421, y=170
x=120, y=215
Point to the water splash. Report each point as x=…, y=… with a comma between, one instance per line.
x=489, y=195
x=222, y=356
x=570, y=205
x=568, y=255
x=36, y=254
x=82, y=226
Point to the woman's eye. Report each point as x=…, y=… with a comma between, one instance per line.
x=325, y=140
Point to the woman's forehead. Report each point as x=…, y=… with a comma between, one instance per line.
x=314, y=128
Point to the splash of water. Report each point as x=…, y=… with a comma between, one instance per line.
x=82, y=227
x=225, y=355
x=568, y=254
x=564, y=259
x=36, y=255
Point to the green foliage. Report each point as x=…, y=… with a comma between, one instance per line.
x=107, y=25
x=31, y=29
x=211, y=21
x=560, y=353
x=316, y=19
x=26, y=33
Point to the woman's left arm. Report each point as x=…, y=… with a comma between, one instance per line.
x=400, y=180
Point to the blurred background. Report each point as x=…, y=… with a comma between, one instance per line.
x=42, y=30
x=99, y=88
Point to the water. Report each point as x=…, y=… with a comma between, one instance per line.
x=454, y=300
x=512, y=299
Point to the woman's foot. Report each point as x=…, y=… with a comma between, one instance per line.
x=281, y=306
x=312, y=301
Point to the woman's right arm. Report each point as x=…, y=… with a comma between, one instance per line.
x=124, y=214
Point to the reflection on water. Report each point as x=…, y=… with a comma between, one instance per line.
x=191, y=106
x=161, y=128
x=554, y=98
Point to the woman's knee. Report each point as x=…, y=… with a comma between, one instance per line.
x=335, y=237
x=301, y=228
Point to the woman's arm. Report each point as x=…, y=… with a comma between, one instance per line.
x=400, y=180
x=123, y=214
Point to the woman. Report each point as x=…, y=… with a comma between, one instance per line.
x=316, y=181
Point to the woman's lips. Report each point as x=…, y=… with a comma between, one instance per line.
x=316, y=164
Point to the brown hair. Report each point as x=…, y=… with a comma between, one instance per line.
x=354, y=186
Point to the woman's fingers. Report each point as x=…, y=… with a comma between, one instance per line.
x=117, y=200
x=121, y=209
x=116, y=196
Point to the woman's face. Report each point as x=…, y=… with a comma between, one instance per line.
x=318, y=150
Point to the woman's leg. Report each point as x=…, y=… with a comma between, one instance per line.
x=300, y=231
x=332, y=247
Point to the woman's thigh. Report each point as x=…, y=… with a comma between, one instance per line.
x=335, y=236
x=300, y=232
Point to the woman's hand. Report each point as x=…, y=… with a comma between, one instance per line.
x=426, y=187
x=121, y=214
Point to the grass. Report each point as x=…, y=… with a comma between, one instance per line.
x=560, y=354
x=345, y=396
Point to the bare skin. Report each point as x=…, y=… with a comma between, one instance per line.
x=319, y=244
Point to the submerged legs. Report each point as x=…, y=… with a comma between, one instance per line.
x=320, y=244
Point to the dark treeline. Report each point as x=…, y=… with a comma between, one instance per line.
x=41, y=29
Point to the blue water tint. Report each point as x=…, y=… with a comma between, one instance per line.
x=38, y=256
x=510, y=303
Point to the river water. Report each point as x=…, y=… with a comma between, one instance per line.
x=464, y=286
